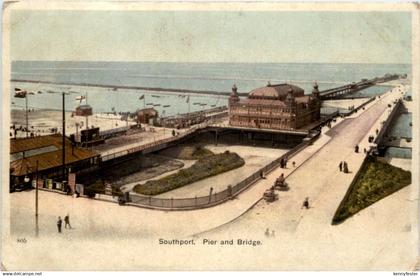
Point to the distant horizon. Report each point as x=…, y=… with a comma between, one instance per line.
x=215, y=62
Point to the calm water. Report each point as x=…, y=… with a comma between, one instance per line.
x=201, y=76
x=195, y=76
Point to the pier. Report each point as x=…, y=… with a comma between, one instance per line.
x=325, y=94
x=341, y=91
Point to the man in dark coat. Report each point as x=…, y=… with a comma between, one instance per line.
x=67, y=221
x=59, y=223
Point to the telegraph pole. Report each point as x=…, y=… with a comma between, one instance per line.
x=36, y=201
x=26, y=114
x=64, y=138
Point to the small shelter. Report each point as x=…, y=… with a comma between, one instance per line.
x=147, y=116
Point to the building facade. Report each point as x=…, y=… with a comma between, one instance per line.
x=280, y=106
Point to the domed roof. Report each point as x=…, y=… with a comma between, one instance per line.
x=276, y=91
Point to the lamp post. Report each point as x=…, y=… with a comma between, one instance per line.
x=26, y=114
x=64, y=138
x=36, y=201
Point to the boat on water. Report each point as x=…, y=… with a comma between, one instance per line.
x=196, y=103
x=49, y=91
x=149, y=104
x=39, y=92
x=156, y=105
x=166, y=105
x=155, y=96
x=19, y=93
x=31, y=93
x=213, y=105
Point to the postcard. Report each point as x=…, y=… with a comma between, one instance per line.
x=210, y=136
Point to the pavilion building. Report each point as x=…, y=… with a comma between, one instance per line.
x=281, y=106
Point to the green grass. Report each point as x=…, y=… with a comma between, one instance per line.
x=376, y=181
x=203, y=168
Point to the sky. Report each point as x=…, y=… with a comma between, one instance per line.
x=211, y=36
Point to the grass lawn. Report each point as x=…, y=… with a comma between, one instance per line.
x=376, y=180
x=207, y=166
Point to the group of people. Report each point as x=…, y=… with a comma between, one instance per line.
x=283, y=163
x=343, y=166
x=66, y=221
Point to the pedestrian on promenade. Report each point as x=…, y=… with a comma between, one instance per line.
x=345, y=167
x=341, y=166
x=267, y=233
x=67, y=221
x=306, y=203
x=294, y=164
x=356, y=149
x=59, y=223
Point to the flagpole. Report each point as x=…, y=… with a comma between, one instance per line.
x=26, y=114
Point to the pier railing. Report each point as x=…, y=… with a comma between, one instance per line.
x=218, y=197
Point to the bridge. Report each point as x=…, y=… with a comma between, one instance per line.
x=354, y=87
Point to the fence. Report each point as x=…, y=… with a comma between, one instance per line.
x=217, y=198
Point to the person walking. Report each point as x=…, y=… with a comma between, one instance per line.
x=345, y=167
x=59, y=223
x=267, y=232
x=341, y=166
x=306, y=203
x=67, y=221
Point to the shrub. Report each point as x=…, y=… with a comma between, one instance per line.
x=376, y=180
x=203, y=168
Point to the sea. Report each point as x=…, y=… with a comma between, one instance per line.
x=217, y=77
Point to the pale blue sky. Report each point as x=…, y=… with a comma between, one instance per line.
x=212, y=36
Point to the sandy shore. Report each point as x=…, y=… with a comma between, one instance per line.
x=41, y=121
